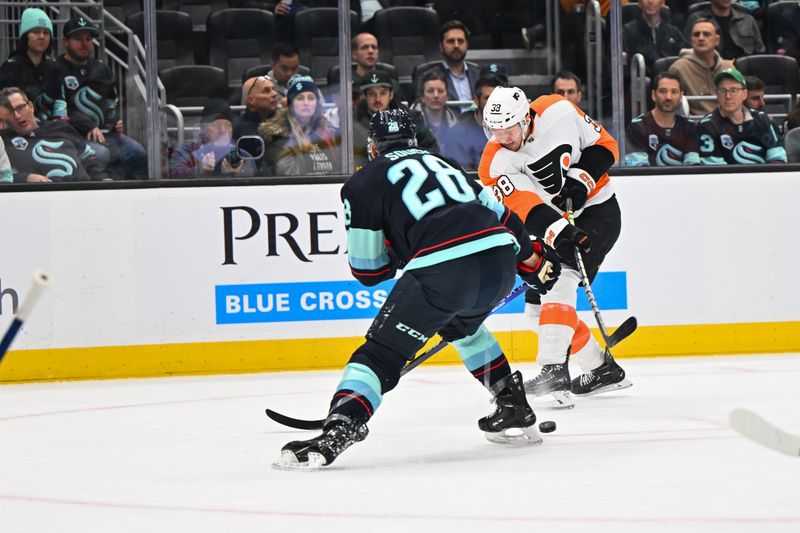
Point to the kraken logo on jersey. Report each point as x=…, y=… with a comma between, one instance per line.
x=549, y=170
x=653, y=141
x=747, y=153
x=71, y=82
x=20, y=143
x=43, y=153
x=668, y=156
x=726, y=141
x=87, y=101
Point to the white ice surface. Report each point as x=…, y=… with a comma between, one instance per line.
x=193, y=454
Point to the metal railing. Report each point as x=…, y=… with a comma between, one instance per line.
x=594, y=58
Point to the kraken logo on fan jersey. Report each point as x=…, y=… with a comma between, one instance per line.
x=20, y=143
x=71, y=82
x=747, y=153
x=653, y=141
x=668, y=155
x=44, y=154
x=549, y=170
x=87, y=100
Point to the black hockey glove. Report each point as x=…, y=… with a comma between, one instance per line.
x=564, y=237
x=545, y=274
x=577, y=185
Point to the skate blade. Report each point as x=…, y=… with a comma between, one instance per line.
x=554, y=400
x=288, y=461
x=624, y=384
x=528, y=436
x=763, y=432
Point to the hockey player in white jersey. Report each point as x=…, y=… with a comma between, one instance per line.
x=538, y=155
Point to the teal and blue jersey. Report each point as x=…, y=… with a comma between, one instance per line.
x=650, y=145
x=411, y=208
x=55, y=150
x=755, y=140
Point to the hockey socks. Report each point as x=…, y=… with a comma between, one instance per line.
x=483, y=357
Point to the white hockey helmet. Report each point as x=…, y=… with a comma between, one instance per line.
x=506, y=107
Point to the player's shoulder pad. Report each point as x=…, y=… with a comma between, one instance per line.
x=489, y=153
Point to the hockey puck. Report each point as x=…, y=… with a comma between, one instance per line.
x=548, y=426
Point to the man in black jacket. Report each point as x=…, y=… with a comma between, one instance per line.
x=378, y=95
x=651, y=36
x=83, y=90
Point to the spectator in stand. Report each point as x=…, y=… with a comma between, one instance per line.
x=299, y=140
x=454, y=43
x=464, y=142
x=650, y=36
x=285, y=11
x=41, y=152
x=787, y=33
x=755, y=94
x=432, y=106
x=793, y=119
x=212, y=153
x=260, y=101
x=30, y=65
x=6, y=174
x=82, y=89
x=698, y=66
x=661, y=137
x=285, y=64
x=568, y=85
x=738, y=30
x=494, y=69
x=366, y=54
x=733, y=134
x=378, y=94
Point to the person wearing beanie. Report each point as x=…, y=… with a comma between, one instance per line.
x=29, y=67
x=212, y=153
x=83, y=90
x=299, y=140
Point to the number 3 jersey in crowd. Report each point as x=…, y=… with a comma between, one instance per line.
x=415, y=208
x=651, y=145
x=755, y=140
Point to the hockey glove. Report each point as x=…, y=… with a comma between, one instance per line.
x=545, y=273
x=564, y=237
x=577, y=185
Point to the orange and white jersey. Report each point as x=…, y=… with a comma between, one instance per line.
x=535, y=173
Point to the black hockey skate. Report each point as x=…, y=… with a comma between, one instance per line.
x=552, y=378
x=607, y=377
x=322, y=450
x=512, y=412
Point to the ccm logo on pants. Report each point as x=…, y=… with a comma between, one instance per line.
x=411, y=331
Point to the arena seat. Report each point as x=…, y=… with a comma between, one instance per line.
x=407, y=36
x=239, y=39
x=173, y=36
x=316, y=33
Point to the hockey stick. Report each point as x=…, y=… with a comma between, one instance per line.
x=759, y=430
x=628, y=326
x=298, y=423
x=40, y=282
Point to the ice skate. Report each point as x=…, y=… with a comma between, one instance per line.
x=607, y=377
x=552, y=380
x=321, y=451
x=512, y=412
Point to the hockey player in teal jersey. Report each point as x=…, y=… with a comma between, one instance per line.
x=460, y=251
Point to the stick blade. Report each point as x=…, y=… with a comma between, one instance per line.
x=757, y=429
x=624, y=331
x=295, y=423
